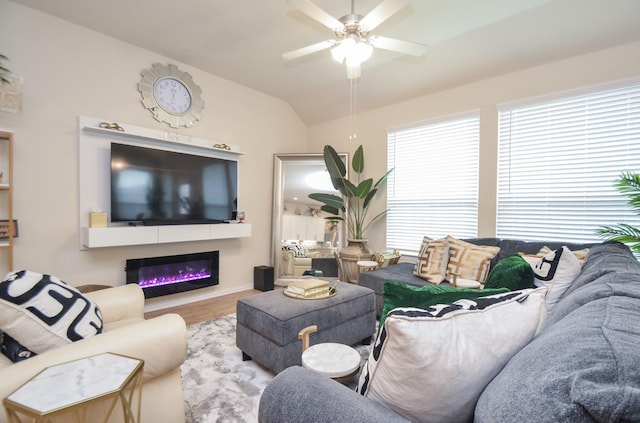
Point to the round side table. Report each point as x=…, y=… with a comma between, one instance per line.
x=337, y=361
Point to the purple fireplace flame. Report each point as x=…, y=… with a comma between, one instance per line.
x=158, y=276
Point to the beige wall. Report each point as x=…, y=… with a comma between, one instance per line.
x=70, y=71
x=613, y=64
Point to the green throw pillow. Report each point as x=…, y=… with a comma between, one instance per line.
x=398, y=294
x=512, y=272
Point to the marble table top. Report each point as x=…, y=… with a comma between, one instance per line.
x=74, y=382
x=331, y=359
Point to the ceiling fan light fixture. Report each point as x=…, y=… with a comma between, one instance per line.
x=352, y=52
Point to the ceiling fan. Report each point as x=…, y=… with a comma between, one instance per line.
x=353, y=41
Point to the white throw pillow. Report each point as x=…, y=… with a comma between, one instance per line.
x=556, y=271
x=41, y=312
x=432, y=365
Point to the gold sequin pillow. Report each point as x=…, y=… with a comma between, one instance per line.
x=469, y=261
x=432, y=260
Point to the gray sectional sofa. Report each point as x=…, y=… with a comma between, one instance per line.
x=584, y=366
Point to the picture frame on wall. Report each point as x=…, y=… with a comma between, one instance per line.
x=11, y=94
x=5, y=227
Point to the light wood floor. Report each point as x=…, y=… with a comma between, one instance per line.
x=205, y=310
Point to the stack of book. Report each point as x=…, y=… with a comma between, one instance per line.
x=308, y=288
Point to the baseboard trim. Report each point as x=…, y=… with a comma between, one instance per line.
x=155, y=304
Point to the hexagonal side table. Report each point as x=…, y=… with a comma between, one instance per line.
x=74, y=386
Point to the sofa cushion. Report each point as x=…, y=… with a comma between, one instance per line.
x=42, y=312
x=584, y=368
x=432, y=260
x=431, y=365
x=513, y=273
x=469, y=261
x=556, y=271
x=397, y=294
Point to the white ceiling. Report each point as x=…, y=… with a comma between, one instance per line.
x=242, y=41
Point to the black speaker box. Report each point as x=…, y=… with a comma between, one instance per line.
x=263, y=278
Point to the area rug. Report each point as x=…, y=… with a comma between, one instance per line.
x=218, y=385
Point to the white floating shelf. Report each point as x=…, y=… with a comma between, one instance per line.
x=141, y=235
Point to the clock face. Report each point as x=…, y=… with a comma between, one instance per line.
x=172, y=95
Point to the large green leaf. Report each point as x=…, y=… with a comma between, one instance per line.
x=358, y=160
x=368, y=198
x=364, y=188
x=330, y=200
x=333, y=211
x=335, y=166
x=384, y=178
x=350, y=190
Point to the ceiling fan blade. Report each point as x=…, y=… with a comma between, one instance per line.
x=313, y=48
x=317, y=13
x=382, y=12
x=404, y=47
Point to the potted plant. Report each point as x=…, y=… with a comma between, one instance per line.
x=629, y=185
x=353, y=205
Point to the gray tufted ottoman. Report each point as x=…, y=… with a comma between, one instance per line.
x=268, y=323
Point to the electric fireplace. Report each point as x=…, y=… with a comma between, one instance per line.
x=158, y=276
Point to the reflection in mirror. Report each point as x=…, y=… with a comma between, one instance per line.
x=302, y=238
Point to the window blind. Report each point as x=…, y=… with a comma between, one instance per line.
x=433, y=190
x=558, y=161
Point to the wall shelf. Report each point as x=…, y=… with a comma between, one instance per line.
x=144, y=235
x=94, y=170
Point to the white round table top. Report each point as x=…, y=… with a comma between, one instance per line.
x=367, y=263
x=331, y=359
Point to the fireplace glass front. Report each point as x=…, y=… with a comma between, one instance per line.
x=158, y=276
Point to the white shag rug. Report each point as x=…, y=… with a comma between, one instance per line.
x=218, y=386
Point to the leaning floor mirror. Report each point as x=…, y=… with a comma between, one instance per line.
x=303, y=240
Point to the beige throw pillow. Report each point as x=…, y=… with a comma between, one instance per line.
x=432, y=260
x=469, y=261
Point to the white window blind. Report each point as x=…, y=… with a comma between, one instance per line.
x=433, y=190
x=558, y=161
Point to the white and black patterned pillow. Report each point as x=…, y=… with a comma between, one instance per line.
x=297, y=250
x=556, y=271
x=431, y=365
x=42, y=312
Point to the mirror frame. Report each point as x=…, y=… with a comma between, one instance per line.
x=279, y=161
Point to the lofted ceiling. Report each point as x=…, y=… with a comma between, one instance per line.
x=469, y=40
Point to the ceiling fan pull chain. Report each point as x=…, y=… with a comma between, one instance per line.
x=353, y=99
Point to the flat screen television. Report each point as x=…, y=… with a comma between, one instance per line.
x=164, y=187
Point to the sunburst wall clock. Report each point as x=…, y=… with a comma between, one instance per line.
x=171, y=95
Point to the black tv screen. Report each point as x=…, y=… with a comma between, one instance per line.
x=149, y=184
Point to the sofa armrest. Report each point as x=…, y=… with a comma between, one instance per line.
x=161, y=342
x=120, y=302
x=301, y=395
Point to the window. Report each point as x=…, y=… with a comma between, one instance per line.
x=433, y=190
x=558, y=161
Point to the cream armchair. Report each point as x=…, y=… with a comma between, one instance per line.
x=294, y=266
x=161, y=342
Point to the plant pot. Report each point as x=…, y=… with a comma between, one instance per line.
x=356, y=250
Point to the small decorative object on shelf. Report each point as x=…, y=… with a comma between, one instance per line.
x=222, y=146
x=5, y=229
x=114, y=126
